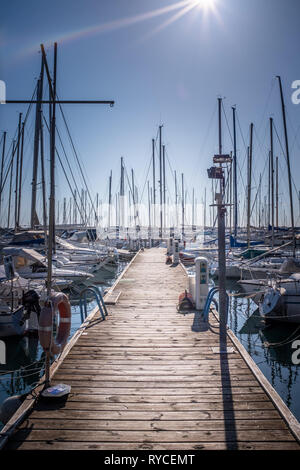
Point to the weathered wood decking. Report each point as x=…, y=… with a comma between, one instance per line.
x=147, y=378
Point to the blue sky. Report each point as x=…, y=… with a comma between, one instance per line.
x=117, y=49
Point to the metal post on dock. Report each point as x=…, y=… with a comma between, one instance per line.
x=222, y=266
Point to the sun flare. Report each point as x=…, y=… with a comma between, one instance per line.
x=205, y=4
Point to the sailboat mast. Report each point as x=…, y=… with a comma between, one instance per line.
x=193, y=209
x=235, y=174
x=250, y=152
x=182, y=204
x=277, y=221
x=288, y=164
x=149, y=208
x=160, y=180
x=176, y=198
x=204, y=208
x=17, y=171
x=39, y=96
x=109, y=200
x=43, y=175
x=10, y=181
x=153, y=182
x=2, y=166
x=272, y=177
x=20, y=175
x=164, y=185
x=52, y=166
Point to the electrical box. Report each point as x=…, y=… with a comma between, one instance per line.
x=170, y=246
x=176, y=252
x=201, y=282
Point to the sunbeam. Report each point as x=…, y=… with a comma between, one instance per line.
x=171, y=20
x=110, y=26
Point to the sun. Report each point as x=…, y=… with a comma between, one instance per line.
x=204, y=4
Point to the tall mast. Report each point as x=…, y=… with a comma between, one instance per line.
x=182, y=204
x=249, y=183
x=75, y=208
x=39, y=96
x=204, y=208
x=230, y=199
x=176, y=199
x=17, y=171
x=220, y=124
x=97, y=209
x=164, y=184
x=269, y=190
x=149, y=207
x=133, y=197
x=41, y=127
x=235, y=175
x=259, y=202
x=64, y=212
x=122, y=194
x=20, y=176
x=1, y=173
x=272, y=177
x=109, y=200
x=51, y=239
x=10, y=182
x=154, y=185
x=160, y=181
x=288, y=164
x=277, y=221
x=193, y=208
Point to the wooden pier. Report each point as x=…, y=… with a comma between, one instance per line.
x=148, y=378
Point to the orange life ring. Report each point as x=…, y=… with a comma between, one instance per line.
x=58, y=301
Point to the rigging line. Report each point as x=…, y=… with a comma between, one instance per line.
x=65, y=154
x=203, y=147
x=231, y=138
x=75, y=153
x=63, y=148
x=149, y=166
x=284, y=155
x=12, y=157
x=66, y=176
x=245, y=147
x=273, y=81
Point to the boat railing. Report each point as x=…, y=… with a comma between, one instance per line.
x=99, y=299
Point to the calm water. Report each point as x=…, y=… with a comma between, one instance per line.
x=25, y=357
x=269, y=345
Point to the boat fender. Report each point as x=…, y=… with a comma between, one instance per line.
x=58, y=302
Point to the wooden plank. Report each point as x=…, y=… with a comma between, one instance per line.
x=112, y=298
x=127, y=415
x=154, y=436
x=169, y=446
x=155, y=425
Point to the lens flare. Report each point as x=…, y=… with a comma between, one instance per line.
x=207, y=4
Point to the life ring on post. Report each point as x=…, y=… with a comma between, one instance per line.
x=57, y=301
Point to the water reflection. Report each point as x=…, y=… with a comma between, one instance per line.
x=268, y=343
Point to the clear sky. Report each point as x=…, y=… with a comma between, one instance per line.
x=162, y=61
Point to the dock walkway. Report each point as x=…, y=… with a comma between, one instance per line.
x=148, y=378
